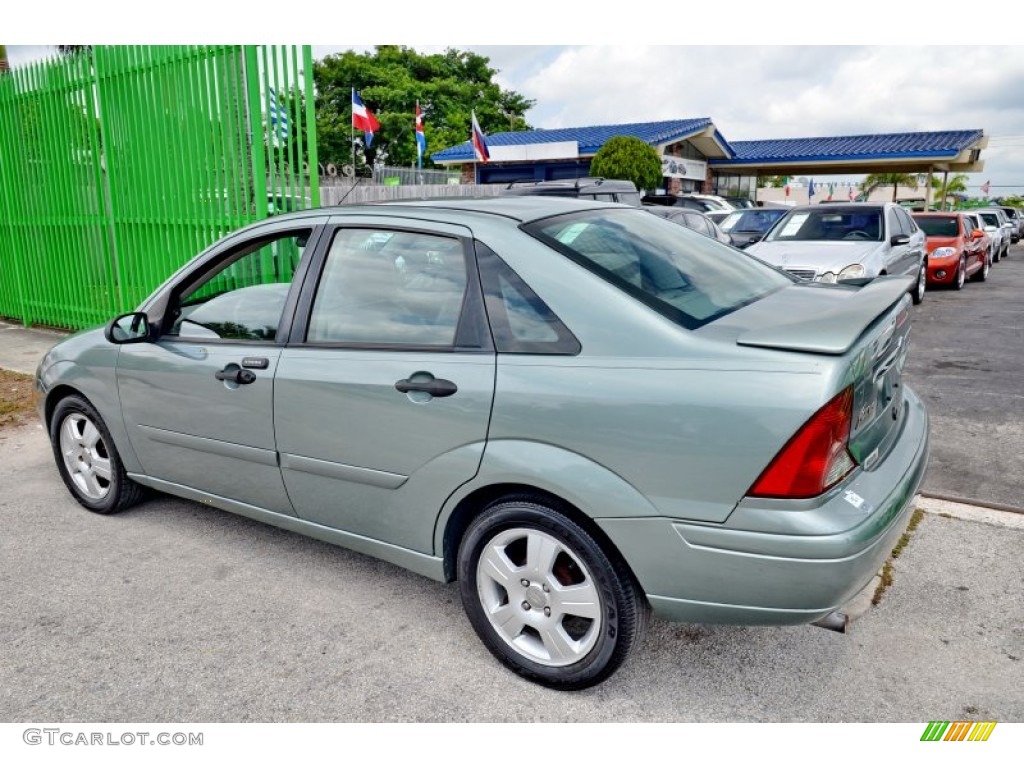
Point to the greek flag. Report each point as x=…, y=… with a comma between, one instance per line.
x=278, y=116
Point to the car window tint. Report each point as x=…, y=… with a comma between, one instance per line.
x=906, y=222
x=688, y=278
x=244, y=299
x=521, y=322
x=389, y=287
x=894, y=224
x=939, y=226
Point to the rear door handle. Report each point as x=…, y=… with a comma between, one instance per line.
x=433, y=387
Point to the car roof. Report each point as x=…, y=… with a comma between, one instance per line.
x=840, y=207
x=521, y=208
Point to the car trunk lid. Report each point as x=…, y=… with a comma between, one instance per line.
x=864, y=328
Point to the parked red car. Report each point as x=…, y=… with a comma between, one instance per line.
x=955, y=249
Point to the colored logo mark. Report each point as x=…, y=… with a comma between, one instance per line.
x=957, y=731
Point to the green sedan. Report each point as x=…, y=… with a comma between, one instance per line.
x=581, y=412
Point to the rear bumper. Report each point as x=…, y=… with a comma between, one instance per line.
x=776, y=562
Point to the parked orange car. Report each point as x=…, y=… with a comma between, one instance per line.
x=956, y=251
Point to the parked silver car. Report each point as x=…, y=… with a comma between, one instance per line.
x=849, y=241
x=998, y=228
x=580, y=411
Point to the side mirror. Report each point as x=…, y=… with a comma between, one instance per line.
x=130, y=328
x=976, y=234
x=899, y=239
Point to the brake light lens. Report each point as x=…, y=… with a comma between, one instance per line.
x=815, y=458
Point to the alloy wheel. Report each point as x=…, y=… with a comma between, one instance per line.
x=539, y=596
x=86, y=456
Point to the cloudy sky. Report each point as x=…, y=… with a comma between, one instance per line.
x=750, y=91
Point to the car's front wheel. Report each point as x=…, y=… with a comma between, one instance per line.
x=87, y=460
x=545, y=598
x=917, y=292
x=961, y=274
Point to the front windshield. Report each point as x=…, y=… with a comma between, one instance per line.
x=689, y=278
x=829, y=224
x=938, y=226
x=751, y=220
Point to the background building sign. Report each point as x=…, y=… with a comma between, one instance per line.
x=554, y=150
x=681, y=168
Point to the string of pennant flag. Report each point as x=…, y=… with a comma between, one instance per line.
x=364, y=120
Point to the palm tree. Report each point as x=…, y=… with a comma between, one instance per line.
x=875, y=180
x=955, y=185
x=4, y=64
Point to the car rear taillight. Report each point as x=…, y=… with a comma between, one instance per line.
x=815, y=458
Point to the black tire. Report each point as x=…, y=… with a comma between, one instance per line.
x=961, y=274
x=997, y=256
x=538, y=639
x=982, y=274
x=81, y=471
x=917, y=292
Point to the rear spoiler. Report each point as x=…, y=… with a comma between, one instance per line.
x=835, y=331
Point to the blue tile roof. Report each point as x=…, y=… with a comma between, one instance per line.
x=877, y=146
x=590, y=138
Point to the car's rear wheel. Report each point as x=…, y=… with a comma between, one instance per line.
x=87, y=460
x=961, y=274
x=545, y=598
x=917, y=292
x=982, y=274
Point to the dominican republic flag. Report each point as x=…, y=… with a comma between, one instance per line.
x=851, y=194
x=986, y=187
x=421, y=139
x=363, y=119
x=810, y=190
x=278, y=116
x=483, y=154
x=785, y=183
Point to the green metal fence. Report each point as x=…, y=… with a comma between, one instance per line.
x=119, y=164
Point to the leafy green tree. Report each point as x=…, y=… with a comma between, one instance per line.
x=4, y=64
x=773, y=182
x=629, y=158
x=449, y=86
x=874, y=181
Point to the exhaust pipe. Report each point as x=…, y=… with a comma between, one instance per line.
x=836, y=621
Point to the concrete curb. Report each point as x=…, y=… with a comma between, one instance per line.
x=1000, y=515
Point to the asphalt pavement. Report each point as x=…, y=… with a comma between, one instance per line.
x=966, y=360
x=178, y=612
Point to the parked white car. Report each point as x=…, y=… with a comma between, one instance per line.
x=846, y=242
x=999, y=229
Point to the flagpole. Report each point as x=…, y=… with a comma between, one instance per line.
x=352, y=133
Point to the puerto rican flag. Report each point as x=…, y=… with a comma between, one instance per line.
x=483, y=154
x=421, y=139
x=363, y=119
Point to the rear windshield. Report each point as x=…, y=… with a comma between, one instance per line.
x=938, y=226
x=829, y=224
x=991, y=219
x=689, y=278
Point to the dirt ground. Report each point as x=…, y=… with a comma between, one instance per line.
x=17, y=399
